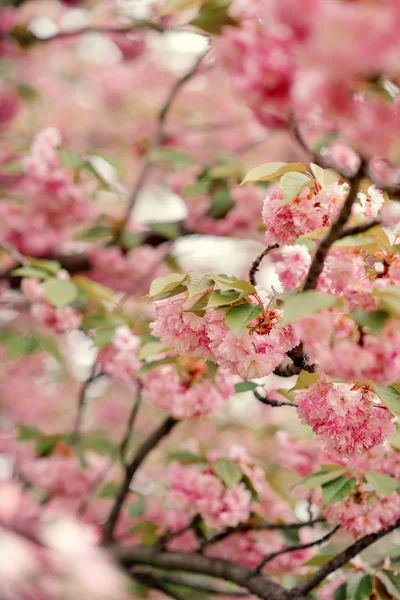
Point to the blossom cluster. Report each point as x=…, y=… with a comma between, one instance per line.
x=311, y=210
x=185, y=389
x=58, y=320
x=349, y=419
x=340, y=349
x=254, y=354
x=55, y=204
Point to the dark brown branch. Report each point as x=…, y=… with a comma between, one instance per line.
x=358, y=229
x=130, y=425
x=342, y=558
x=81, y=404
x=256, y=264
x=259, y=585
x=270, y=402
x=246, y=527
x=273, y=555
x=148, y=445
x=287, y=370
x=333, y=234
x=200, y=587
x=156, y=142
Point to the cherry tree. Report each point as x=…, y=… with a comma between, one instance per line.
x=200, y=299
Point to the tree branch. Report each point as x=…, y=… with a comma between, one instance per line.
x=156, y=142
x=342, y=558
x=129, y=429
x=148, y=445
x=246, y=527
x=333, y=234
x=270, y=402
x=256, y=264
x=273, y=555
x=200, y=587
x=260, y=585
x=358, y=229
x=81, y=403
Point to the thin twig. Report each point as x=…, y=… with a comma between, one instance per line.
x=82, y=402
x=171, y=535
x=342, y=558
x=156, y=142
x=130, y=425
x=333, y=234
x=14, y=253
x=148, y=445
x=270, y=402
x=246, y=527
x=256, y=264
x=273, y=555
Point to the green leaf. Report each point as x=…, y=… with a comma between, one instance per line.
x=391, y=581
x=103, y=319
x=138, y=508
x=389, y=300
x=324, y=141
x=150, y=349
x=245, y=386
x=103, y=337
x=249, y=485
x=48, y=344
x=198, y=188
x=228, y=471
x=148, y=529
x=169, y=231
x=27, y=433
x=273, y=171
x=174, y=292
x=213, y=16
x=30, y=272
x=373, y=320
x=306, y=303
x=109, y=490
x=70, y=159
x=167, y=283
x=221, y=203
x=390, y=398
x=341, y=592
x=212, y=369
x=198, y=283
x=131, y=240
x=185, y=457
x=304, y=380
x=96, y=232
x=337, y=489
x=231, y=283
x=324, y=176
x=382, y=484
x=291, y=536
x=292, y=184
x=238, y=317
x=96, y=292
x=15, y=343
x=179, y=159
x=363, y=589
x=59, y=292
x=51, y=266
x=147, y=367
x=319, y=478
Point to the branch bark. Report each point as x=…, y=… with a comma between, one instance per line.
x=333, y=234
x=156, y=142
x=342, y=558
x=148, y=445
x=260, y=585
